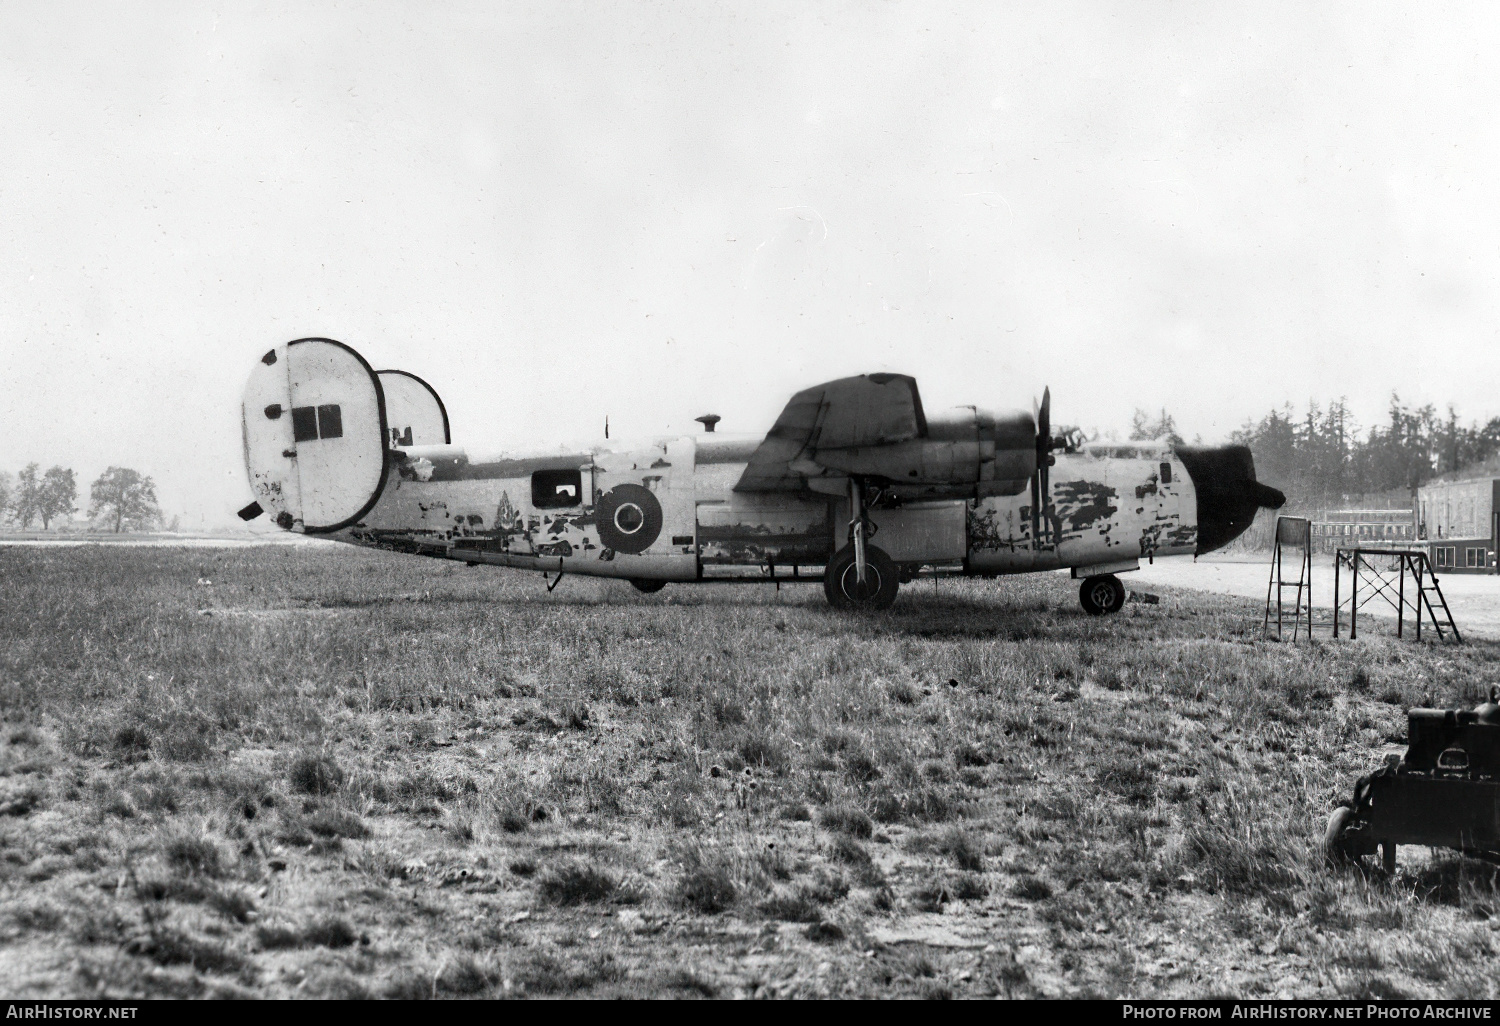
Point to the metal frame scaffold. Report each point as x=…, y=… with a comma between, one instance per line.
x=1386, y=570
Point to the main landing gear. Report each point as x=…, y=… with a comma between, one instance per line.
x=842, y=585
x=860, y=576
x=1102, y=594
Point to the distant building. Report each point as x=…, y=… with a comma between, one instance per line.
x=1459, y=523
x=1368, y=528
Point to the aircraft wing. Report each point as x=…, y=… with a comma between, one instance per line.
x=859, y=413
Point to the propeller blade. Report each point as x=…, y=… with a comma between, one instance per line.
x=1040, y=483
x=1035, y=508
x=1044, y=422
x=1044, y=473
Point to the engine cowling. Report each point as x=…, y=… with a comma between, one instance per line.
x=965, y=452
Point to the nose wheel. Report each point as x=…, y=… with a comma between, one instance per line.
x=1101, y=595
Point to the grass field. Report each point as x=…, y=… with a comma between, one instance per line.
x=287, y=771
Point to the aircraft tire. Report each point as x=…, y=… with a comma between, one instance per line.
x=1101, y=595
x=647, y=586
x=882, y=580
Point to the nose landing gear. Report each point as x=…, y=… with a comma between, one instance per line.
x=1101, y=595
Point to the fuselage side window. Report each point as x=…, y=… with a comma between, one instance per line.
x=330, y=421
x=556, y=489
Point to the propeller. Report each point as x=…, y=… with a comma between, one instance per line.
x=1040, y=480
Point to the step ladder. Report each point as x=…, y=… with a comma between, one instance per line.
x=1427, y=589
x=1294, y=533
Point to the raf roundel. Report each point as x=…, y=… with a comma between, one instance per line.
x=629, y=518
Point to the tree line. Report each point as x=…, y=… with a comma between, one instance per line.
x=1321, y=457
x=121, y=498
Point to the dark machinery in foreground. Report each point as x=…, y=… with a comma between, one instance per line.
x=1445, y=793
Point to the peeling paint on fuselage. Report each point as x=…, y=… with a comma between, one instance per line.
x=1100, y=509
x=483, y=512
x=1087, y=520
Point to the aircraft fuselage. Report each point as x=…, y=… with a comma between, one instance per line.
x=1108, y=505
x=853, y=485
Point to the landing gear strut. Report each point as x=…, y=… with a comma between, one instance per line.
x=1101, y=595
x=860, y=576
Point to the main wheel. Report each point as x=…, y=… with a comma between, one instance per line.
x=646, y=586
x=1101, y=595
x=841, y=580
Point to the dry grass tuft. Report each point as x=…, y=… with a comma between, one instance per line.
x=575, y=883
x=847, y=819
x=315, y=773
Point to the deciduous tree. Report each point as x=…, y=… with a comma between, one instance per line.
x=26, y=503
x=57, y=495
x=1145, y=428
x=126, y=497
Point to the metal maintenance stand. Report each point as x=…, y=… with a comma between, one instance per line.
x=1294, y=533
x=1385, y=571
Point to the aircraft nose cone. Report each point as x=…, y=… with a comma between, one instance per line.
x=1228, y=493
x=1268, y=497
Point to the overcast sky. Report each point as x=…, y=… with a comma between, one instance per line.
x=555, y=211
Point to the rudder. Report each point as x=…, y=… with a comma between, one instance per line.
x=414, y=412
x=315, y=435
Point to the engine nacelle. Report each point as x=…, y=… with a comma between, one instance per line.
x=966, y=452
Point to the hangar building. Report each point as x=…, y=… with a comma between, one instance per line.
x=1459, y=523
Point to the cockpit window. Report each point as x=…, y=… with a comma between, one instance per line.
x=555, y=489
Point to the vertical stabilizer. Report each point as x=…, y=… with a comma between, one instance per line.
x=315, y=435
